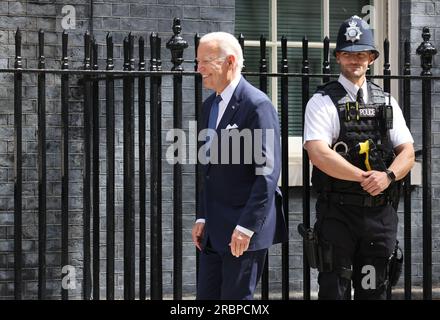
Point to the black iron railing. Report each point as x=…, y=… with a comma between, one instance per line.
x=90, y=77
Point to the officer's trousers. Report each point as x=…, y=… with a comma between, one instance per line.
x=362, y=239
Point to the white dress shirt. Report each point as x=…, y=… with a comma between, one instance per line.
x=226, y=97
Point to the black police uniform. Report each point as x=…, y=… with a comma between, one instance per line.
x=356, y=231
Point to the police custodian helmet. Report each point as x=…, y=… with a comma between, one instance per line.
x=355, y=35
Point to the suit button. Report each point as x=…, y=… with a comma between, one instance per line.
x=207, y=177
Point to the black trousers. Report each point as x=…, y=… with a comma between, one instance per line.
x=362, y=239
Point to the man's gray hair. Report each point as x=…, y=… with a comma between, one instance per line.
x=227, y=44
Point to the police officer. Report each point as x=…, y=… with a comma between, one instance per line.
x=356, y=221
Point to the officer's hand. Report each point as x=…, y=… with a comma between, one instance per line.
x=239, y=243
x=375, y=182
x=197, y=234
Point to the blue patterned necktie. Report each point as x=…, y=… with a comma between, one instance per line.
x=212, y=122
x=213, y=115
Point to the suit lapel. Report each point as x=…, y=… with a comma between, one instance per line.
x=233, y=105
x=231, y=109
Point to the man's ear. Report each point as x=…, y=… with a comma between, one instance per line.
x=231, y=60
x=337, y=57
x=372, y=59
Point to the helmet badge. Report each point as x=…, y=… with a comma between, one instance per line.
x=353, y=32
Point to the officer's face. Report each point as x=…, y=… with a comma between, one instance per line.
x=354, y=65
x=216, y=70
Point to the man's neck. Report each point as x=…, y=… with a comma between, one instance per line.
x=219, y=91
x=228, y=82
x=357, y=81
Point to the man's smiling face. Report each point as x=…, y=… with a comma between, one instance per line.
x=214, y=68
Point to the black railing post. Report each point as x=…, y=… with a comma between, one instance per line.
x=326, y=60
x=128, y=120
x=177, y=45
x=18, y=249
x=407, y=181
x=263, y=87
x=95, y=169
x=387, y=88
x=156, y=173
x=64, y=162
x=263, y=65
x=131, y=169
x=306, y=166
x=41, y=170
x=285, y=165
x=386, y=67
x=142, y=176
x=110, y=190
x=426, y=51
x=86, y=174
x=198, y=100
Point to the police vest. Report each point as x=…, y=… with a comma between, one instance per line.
x=358, y=123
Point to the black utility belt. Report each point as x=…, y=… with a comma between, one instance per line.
x=357, y=199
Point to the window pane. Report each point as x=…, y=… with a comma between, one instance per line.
x=252, y=64
x=299, y=18
x=294, y=61
x=341, y=10
x=252, y=18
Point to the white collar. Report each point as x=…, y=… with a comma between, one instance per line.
x=352, y=89
x=229, y=90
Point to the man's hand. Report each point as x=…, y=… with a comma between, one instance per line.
x=375, y=182
x=239, y=243
x=197, y=234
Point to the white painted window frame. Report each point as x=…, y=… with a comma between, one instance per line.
x=384, y=19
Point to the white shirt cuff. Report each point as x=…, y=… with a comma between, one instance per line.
x=200, y=220
x=247, y=232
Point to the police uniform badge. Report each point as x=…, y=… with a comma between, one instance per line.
x=353, y=32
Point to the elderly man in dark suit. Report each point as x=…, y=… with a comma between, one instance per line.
x=240, y=204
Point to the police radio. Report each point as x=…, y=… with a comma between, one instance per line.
x=386, y=111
